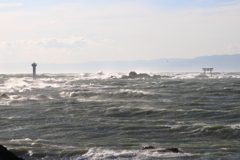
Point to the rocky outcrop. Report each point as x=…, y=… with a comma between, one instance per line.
x=173, y=150
x=148, y=147
x=134, y=75
x=159, y=76
x=7, y=155
x=4, y=96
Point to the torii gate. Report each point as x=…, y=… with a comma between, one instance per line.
x=207, y=69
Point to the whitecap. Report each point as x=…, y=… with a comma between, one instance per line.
x=99, y=153
x=25, y=90
x=30, y=152
x=21, y=140
x=73, y=94
x=234, y=126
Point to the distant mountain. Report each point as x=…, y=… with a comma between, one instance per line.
x=220, y=63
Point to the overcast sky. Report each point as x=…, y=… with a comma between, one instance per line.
x=77, y=31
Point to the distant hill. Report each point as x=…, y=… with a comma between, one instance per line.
x=220, y=63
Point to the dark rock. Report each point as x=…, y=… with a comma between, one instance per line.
x=174, y=150
x=144, y=75
x=4, y=96
x=133, y=75
x=148, y=147
x=7, y=155
x=113, y=77
x=156, y=76
x=124, y=77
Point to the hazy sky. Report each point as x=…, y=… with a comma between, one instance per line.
x=76, y=31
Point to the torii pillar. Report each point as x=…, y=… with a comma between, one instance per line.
x=34, y=65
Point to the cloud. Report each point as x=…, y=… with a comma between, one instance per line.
x=107, y=40
x=72, y=49
x=234, y=48
x=63, y=43
x=8, y=5
x=72, y=42
x=119, y=30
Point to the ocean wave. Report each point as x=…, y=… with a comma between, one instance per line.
x=234, y=126
x=92, y=115
x=215, y=131
x=102, y=154
x=20, y=140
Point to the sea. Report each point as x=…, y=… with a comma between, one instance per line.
x=99, y=116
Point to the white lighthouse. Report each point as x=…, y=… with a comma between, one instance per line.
x=34, y=65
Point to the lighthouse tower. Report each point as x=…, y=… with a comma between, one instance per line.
x=34, y=70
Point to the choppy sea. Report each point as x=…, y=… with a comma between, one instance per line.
x=91, y=116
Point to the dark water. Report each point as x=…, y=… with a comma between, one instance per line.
x=90, y=116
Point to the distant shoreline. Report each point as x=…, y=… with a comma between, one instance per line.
x=220, y=63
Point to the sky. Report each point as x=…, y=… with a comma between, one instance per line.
x=79, y=31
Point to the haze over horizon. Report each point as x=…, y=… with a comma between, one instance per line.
x=220, y=63
x=74, y=31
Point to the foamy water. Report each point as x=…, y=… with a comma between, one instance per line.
x=88, y=116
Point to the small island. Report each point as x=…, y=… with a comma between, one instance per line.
x=134, y=75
